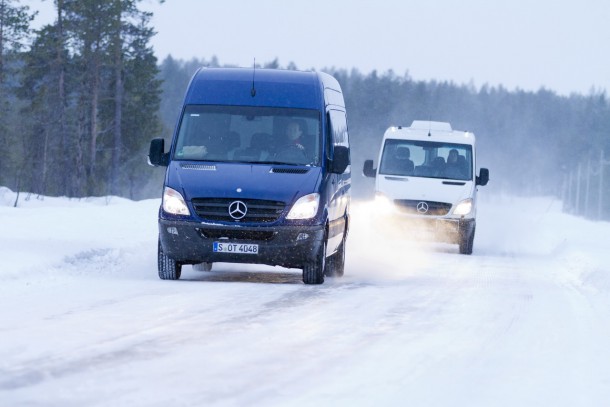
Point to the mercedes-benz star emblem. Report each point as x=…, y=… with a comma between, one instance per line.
x=237, y=210
x=422, y=207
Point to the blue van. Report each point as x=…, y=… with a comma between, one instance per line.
x=258, y=172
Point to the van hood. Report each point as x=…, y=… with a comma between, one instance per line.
x=425, y=189
x=246, y=181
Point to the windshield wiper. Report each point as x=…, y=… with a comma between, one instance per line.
x=259, y=162
x=277, y=163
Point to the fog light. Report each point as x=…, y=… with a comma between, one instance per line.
x=172, y=230
x=302, y=236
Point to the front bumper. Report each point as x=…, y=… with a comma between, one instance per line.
x=286, y=245
x=446, y=230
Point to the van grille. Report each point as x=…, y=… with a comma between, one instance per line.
x=233, y=234
x=434, y=208
x=217, y=209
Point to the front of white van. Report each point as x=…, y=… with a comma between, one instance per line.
x=426, y=184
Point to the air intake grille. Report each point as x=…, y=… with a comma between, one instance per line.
x=277, y=170
x=214, y=209
x=200, y=167
x=433, y=208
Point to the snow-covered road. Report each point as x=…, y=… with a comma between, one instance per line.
x=85, y=321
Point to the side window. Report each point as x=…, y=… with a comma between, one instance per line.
x=338, y=128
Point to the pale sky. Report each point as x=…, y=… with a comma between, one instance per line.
x=563, y=46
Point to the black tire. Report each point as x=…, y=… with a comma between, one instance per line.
x=466, y=242
x=169, y=269
x=313, y=272
x=335, y=264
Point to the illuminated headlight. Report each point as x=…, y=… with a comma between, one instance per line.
x=463, y=208
x=174, y=203
x=305, y=207
x=383, y=204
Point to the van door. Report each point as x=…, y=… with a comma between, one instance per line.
x=339, y=184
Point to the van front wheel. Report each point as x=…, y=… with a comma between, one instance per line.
x=313, y=271
x=466, y=242
x=169, y=269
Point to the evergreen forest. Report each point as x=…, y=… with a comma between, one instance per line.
x=81, y=99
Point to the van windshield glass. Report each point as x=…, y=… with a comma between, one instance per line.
x=249, y=134
x=426, y=159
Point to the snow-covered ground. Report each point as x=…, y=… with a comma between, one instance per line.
x=85, y=321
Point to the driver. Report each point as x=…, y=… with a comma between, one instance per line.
x=294, y=134
x=293, y=147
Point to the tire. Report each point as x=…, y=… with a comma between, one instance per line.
x=313, y=272
x=205, y=266
x=466, y=242
x=335, y=264
x=169, y=269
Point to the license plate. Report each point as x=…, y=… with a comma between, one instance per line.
x=238, y=248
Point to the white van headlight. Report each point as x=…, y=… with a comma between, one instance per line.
x=463, y=208
x=305, y=207
x=174, y=203
x=383, y=204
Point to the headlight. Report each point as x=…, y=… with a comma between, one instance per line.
x=174, y=203
x=305, y=207
x=383, y=204
x=464, y=207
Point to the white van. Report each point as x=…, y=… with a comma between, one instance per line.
x=426, y=178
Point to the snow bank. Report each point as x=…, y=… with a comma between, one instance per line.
x=44, y=234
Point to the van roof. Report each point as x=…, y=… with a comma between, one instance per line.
x=260, y=87
x=423, y=130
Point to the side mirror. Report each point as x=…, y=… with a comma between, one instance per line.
x=368, y=170
x=340, y=160
x=156, y=155
x=483, y=177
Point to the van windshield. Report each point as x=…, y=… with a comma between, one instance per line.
x=249, y=134
x=426, y=159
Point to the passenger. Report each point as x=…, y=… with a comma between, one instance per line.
x=455, y=167
x=452, y=158
x=403, y=157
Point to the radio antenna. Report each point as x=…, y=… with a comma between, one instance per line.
x=253, y=90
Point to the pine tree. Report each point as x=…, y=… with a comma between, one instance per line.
x=136, y=93
x=14, y=31
x=91, y=96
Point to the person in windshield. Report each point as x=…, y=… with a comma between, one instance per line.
x=456, y=165
x=294, y=135
x=452, y=157
x=292, y=149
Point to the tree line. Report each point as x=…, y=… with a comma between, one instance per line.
x=78, y=98
x=81, y=98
